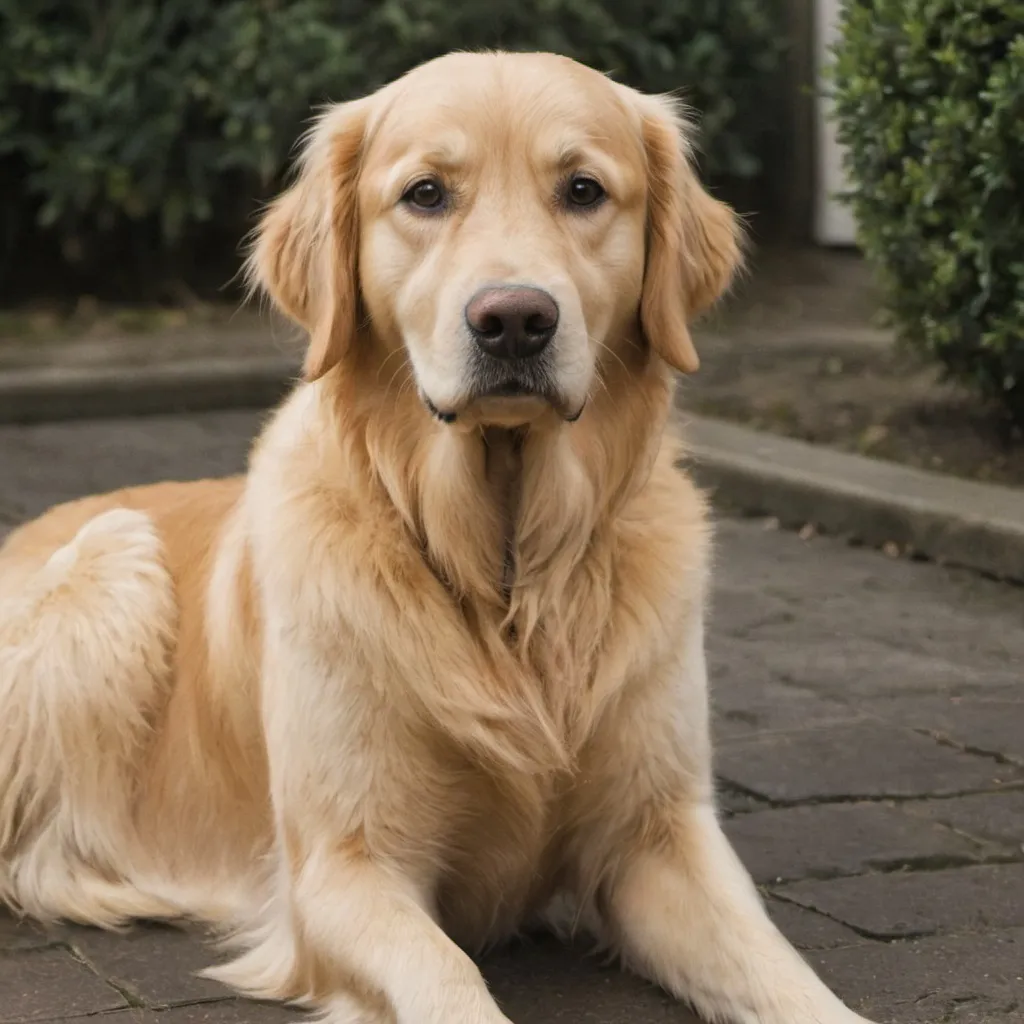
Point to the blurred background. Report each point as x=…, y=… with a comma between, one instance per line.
x=874, y=147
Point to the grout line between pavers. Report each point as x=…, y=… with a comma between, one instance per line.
x=925, y=864
x=944, y=740
x=128, y=994
x=989, y=850
x=857, y=798
x=864, y=933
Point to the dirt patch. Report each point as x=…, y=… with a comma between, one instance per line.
x=862, y=397
x=801, y=350
x=109, y=337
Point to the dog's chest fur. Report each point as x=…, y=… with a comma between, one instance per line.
x=556, y=625
x=476, y=743
x=503, y=859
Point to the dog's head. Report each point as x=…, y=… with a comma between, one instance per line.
x=510, y=221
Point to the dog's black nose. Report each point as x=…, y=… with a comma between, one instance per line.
x=513, y=322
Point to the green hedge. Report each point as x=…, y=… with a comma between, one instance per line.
x=146, y=130
x=930, y=103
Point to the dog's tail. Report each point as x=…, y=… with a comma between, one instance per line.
x=85, y=642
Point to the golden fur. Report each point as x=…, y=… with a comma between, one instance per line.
x=409, y=681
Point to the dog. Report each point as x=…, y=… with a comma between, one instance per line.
x=432, y=671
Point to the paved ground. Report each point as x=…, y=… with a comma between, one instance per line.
x=870, y=721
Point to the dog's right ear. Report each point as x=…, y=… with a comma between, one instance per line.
x=305, y=256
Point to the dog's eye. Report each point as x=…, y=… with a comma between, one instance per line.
x=584, y=192
x=426, y=195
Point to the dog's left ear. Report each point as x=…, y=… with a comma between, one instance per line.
x=693, y=240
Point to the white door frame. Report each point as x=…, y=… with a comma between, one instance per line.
x=833, y=221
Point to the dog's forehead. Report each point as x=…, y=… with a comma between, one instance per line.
x=535, y=100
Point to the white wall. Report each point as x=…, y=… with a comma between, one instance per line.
x=833, y=222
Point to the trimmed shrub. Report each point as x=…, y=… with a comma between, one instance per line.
x=138, y=129
x=930, y=103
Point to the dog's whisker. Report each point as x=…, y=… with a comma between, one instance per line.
x=400, y=369
x=400, y=352
x=604, y=346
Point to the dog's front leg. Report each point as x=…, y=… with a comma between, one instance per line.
x=679, y=904
x=688, y=916
x=359, y=820
x=368, y=926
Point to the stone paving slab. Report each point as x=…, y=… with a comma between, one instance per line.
x=746, y=704
x=20, y=935
x=967, y=979
x=990, y=721
x=837, y=673
x=153, y=969
x=52, y=462
x=809, y=930
x=832, y=661
x=906, y=904
x=156, y=966
x=996, y=817
x=842, y=839
x=566, y=987
x=862, y=759
x=45, y=984
x=959, y=629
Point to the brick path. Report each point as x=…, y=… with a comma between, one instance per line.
x=870, y=725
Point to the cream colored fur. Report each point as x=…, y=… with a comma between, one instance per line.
x=408, y=684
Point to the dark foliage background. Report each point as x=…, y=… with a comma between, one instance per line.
x=138, y=136
x=930, y=102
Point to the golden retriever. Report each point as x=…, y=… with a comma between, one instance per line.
x=434, y=667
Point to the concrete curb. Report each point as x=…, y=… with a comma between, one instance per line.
x=35, y=396
x=958, y=522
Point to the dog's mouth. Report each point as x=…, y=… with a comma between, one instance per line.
x=509, y=402
x=513, y=389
